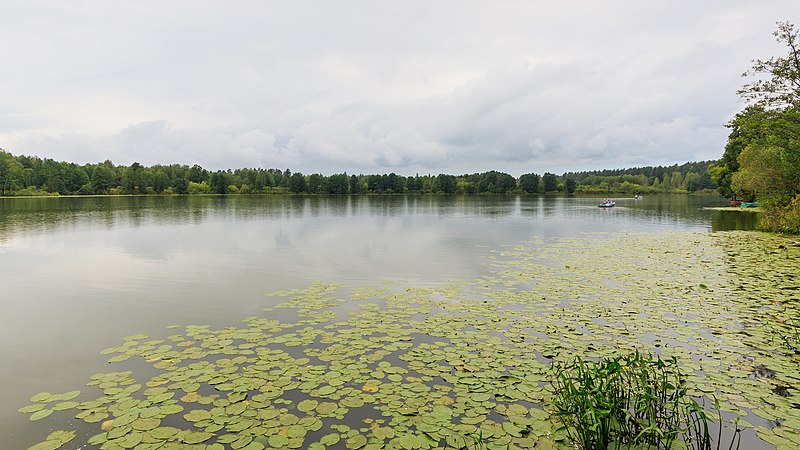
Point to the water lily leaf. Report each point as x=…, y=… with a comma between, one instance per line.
x=41, y=397
x=145, y=424
x=191, y=397
x=326, y=408
x=197, y=415
x=41, y=414
x=163, y=433
x=32, y=408
x=252, y=446
x=63, y=406
x=383, y=433
x=241, y=442
x=307, y=405
x=352, y=402
x=327, y=390
x=295, y=431
x=356, y=442
x=278, y=441
x=65, y=396
x=330, y=439
x=197, y=437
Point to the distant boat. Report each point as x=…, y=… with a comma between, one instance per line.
x=606, y=204
x=637, y=197
x=749, y=204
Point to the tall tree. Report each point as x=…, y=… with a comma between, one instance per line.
x=297, y=182
x=10, y=173
x=570, y=185
x=781, y=87
x=529, y=183
x=219, y=182
x=446, y=183
x=769, y=162
x=549, y=182
x=103, y=178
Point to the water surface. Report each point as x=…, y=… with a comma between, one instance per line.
x=80, y=273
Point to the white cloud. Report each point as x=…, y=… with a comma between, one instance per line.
x=377, y=86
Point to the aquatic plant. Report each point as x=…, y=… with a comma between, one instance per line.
x=787, y=332
x=330, y=366
x=636, y=400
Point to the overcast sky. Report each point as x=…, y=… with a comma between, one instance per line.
x=378, y=86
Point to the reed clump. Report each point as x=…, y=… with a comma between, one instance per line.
x=632, y=401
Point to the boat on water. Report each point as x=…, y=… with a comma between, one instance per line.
x=749, y=204
x=607, y=204
x=637, y=197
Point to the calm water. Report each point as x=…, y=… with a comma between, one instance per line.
x=78, y=274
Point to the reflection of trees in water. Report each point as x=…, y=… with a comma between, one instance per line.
x=32, y=215
x=734, y=220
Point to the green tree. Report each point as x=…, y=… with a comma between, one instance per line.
x=446, y=183
x=355, y=185
x=570, y=185
x=297, y=182
x=75, y=179
x=52, y=175
x=10, y=173
x=338, y=184
x=219, y=182
x=745, y=129
x=103, y=178
x=316, y=183
x=160, y=181
x=197, y=174
x=180, y=185
x=549, y=182
x=769, y=157
x=529, y=183
x=133, y=179
x=778, y=78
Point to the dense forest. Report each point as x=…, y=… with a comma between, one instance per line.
x=30, y=175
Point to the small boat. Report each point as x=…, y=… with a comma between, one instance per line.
x=637, y=197
x=749, y=204
x=606, y=204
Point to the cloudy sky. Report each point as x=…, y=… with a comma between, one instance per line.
x=378, y=86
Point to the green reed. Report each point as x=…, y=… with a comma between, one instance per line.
x=631, y=401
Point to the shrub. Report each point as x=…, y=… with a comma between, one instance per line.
x=782, y=218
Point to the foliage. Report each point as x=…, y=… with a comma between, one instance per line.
x=742, y=133
x=549, y=182
x=688, y=177
x=782, y=218
x=632, y=400
x=27, y=175
x=782, y=87
x=570, y=185
x=529, y=183
x=765, y=141
x=445, y=360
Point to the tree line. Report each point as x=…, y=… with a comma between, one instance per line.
x=30, y=175
x=688, y=177
x=761, y=160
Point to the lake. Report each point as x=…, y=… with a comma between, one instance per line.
x=79, y=274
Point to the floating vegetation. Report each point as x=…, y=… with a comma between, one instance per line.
x=631, y=401
x=460, y=364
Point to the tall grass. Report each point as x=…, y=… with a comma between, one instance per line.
x=631, y=401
